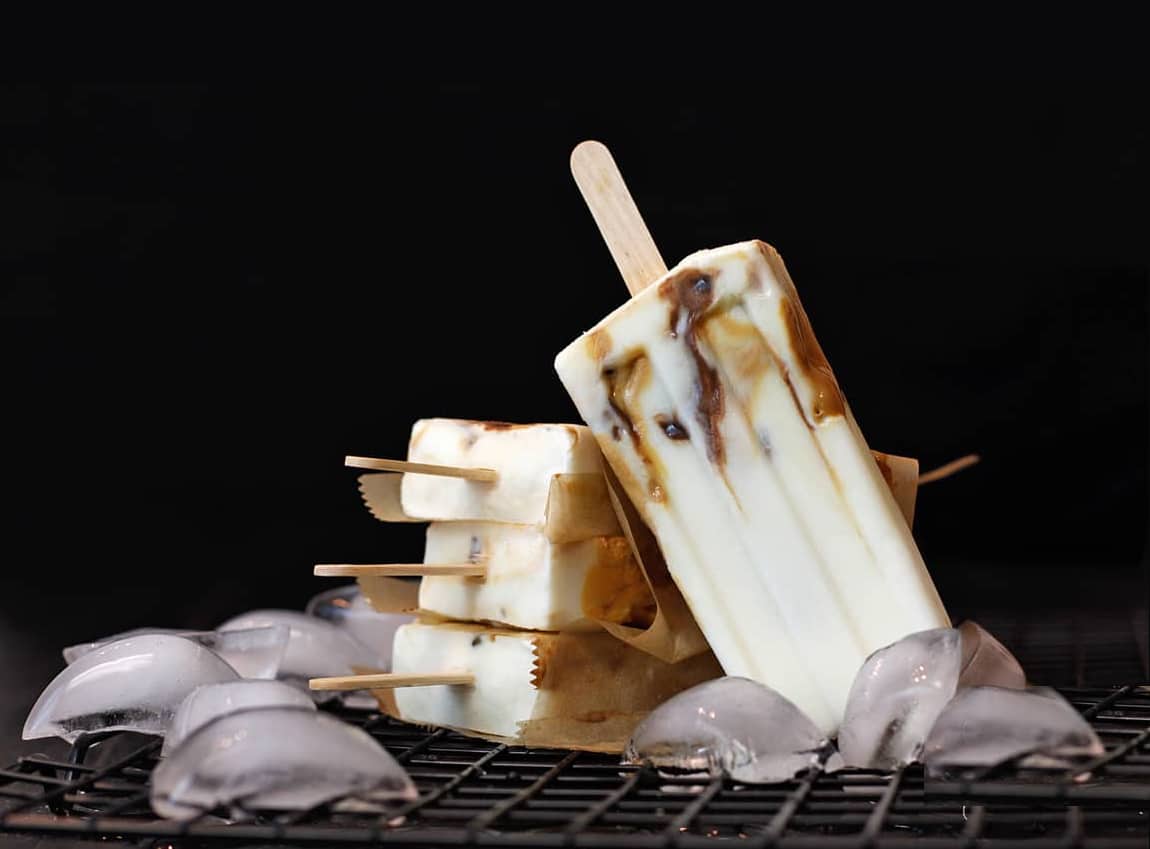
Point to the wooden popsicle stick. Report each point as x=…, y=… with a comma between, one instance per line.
x=466, y=472
x=378, y=570
x=391, y=680
x=614, y=210
x=948, y=469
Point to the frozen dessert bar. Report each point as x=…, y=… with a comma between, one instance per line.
x=525, y=457
x=715, y=406
x=532, y=582
x=577, y=690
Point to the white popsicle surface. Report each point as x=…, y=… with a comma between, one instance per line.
x=534, y=583
x=713, y=402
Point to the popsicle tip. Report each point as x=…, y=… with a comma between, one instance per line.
x=588, y=147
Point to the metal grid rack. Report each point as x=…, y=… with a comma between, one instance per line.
x=479, y=793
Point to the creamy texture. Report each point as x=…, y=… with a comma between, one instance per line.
x=715, y=406
x=532, y=582
x=503, y=663
x=526, y=457
x=580, y=690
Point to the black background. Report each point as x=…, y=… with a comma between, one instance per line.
x=209, y=295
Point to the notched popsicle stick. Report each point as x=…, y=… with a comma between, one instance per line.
x=381, y=493
x=948, y=469
x=392, y=570
x=614, y=211
x=392, y=680
x=407, y=468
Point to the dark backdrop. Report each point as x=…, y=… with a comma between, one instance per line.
x=209, y=295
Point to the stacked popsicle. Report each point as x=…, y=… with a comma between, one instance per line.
x=524, y=558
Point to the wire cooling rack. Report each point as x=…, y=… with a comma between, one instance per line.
x=486, y=794
x=483, y=794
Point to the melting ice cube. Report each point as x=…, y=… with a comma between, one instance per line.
x=209, y=701
x=275, y=759
x=129, y=685
x=902, y=688
x=252, y=652
x=734, y=726
x=347, y=608
x=896, y=697
x=986, y=661
x=985, y=726
x=315, y=649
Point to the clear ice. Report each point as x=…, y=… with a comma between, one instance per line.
x=209, y=701
x=252, y=652
x=896, y=697
x=902, y=688
x=986, y=661
x=734, y=726
x=275, y=759
x=986, y=726
x=316, y=648
x=134, y=684
x=347, y=608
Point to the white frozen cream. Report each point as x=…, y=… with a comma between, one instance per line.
x=526, y=457
x=532, y=582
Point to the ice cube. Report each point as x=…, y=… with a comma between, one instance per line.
x=315, y=649
x=986, y=726
x=896, y=697
x=734, y=726
x=347, y=608
x=252, y=652
x=134, y=684
x=206, y=703
x=986, y=661
x=275, y=759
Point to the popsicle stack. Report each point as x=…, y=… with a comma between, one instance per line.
x=524, y=559
x=723, y=425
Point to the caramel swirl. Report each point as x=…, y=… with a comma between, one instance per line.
x=692, y=291
x=828, y=398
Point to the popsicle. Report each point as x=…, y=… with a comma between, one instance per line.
x=532, y=582
x=546, y=475
x=715, y=406
x=582, y=690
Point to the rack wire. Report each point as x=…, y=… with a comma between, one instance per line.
x=477, y=793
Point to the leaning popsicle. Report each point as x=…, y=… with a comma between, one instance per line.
x=714, y=404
